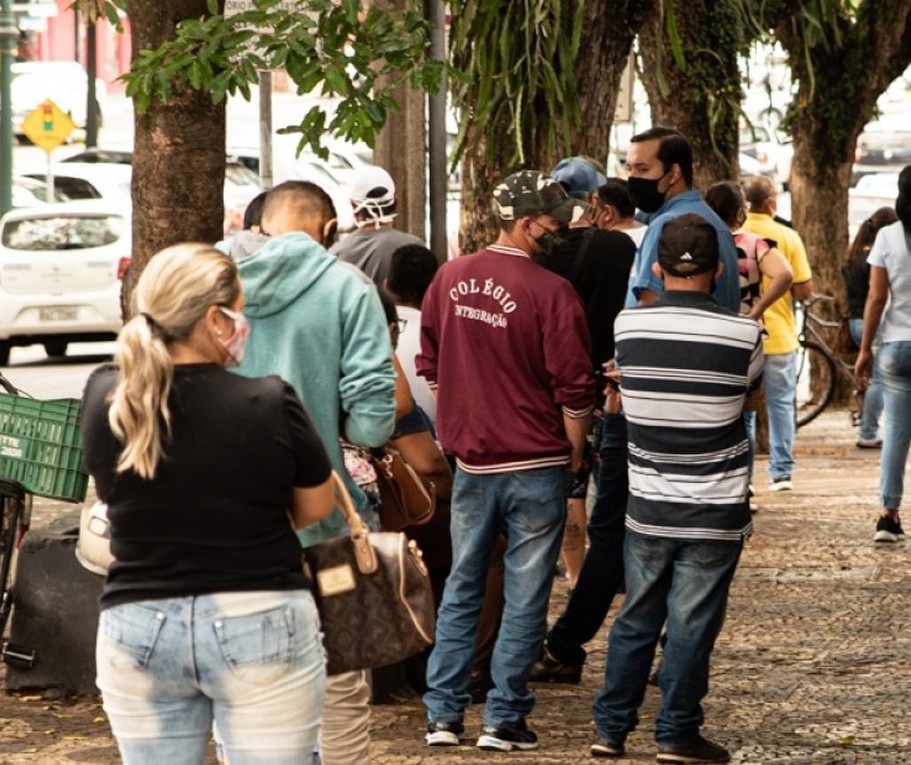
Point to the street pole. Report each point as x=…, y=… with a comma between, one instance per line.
x=8, y=36
x=91, y=68
x=436, y=142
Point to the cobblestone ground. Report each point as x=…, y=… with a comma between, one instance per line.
x=812, y=667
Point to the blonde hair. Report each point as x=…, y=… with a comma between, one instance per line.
x=176, y=288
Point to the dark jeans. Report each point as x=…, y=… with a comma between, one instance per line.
x=685, y=583
x=602, y=571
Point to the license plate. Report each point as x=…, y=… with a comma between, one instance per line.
x=58, y=313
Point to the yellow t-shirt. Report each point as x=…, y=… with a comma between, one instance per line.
x=779, y=317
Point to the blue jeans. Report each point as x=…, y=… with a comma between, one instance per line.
x=531, y=507
x=602, y=570
x=249, y=662
x=873, y=396
x=685, y=583
x=894, y=360
x=779, y=379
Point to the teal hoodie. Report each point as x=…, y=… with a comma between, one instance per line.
x=319, y=324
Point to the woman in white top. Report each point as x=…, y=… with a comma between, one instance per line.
x=889, y=304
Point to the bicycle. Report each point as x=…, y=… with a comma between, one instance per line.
x=816, y=356
x=40, y=454
x=15, y=519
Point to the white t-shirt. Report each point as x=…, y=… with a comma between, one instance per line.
x=891, y=252
x=409, y=347
x=635, y=234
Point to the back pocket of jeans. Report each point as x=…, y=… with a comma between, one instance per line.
x=260, y=647
x=131, y=632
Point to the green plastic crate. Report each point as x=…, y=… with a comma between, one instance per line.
x=40, y=447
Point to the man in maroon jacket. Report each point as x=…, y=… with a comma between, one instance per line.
x=504, y=343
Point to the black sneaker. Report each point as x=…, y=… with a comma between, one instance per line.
x=697, y=750
x=888, y=529
x=549, y=669
x=505, y=738
x=441, y=733
x=604, y=747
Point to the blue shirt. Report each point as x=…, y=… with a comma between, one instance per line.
x=727, y=290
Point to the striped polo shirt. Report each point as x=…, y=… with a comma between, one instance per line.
x=686, y=366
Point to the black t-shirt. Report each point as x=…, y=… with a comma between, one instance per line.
x=597, y=263
x=215, y=517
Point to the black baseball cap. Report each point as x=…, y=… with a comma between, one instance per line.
x=688, y=246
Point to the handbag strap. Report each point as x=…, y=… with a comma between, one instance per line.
x=363, y=550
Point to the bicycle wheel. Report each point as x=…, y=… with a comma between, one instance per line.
x=9, y=527
x=815, y=382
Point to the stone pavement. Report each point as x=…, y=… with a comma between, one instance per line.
x=813, y=666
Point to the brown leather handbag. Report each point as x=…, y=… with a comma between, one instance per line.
x=373, y=593
x=406, y=498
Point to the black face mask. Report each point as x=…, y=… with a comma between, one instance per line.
x=645, y=194
x=551, y=240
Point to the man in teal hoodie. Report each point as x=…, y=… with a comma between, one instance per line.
x=318, y=323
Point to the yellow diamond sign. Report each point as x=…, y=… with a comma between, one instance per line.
x=48, y=126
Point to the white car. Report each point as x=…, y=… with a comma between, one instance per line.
x=86, y=180
x=61, y=267
x=869, y=194
x=63, y=82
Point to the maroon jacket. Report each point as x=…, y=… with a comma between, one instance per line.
x=506, y=343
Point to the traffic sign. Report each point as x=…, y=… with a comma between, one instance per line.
x=47, y=126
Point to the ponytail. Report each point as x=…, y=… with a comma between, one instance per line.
x=173, y=293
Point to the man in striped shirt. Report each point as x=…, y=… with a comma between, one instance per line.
x=688, y=367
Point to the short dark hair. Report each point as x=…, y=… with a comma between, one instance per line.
x=253, y=215
x=673, y=149
x=726, y=199
x=411, y=270
x=307, y=197
x=615, y=192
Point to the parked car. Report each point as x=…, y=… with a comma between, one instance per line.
x=61, y=267
x=107, y=165
x=772, y=153
x=871, y=192
x=883, y=145
x=88, y=180
x=63, y=82
x=28, y=192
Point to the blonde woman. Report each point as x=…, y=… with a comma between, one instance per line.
x=206, y=614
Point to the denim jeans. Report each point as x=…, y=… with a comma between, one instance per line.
x=249, y=662
x=530, y=505
x=602, y=570
x=685, y=583
x=894, y=360
x=779, y=379
x=873, y=396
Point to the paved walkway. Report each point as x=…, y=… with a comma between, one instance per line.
x=813, y=666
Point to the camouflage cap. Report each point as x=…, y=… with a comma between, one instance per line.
x=531, y=192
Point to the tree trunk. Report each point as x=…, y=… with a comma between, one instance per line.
x=178, y=152
x=607, y=36
x=834, y=102
x=702, y=98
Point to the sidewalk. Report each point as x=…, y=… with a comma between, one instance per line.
x=812, y=667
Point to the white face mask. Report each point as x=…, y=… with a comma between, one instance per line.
x=235, y=344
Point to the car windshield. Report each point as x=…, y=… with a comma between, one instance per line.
x=62, y=232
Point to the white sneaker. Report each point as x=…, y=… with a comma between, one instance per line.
x=781, y=484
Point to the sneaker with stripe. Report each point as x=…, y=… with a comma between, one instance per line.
x=505, y=738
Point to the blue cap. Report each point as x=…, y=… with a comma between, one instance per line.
x=578, y=176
